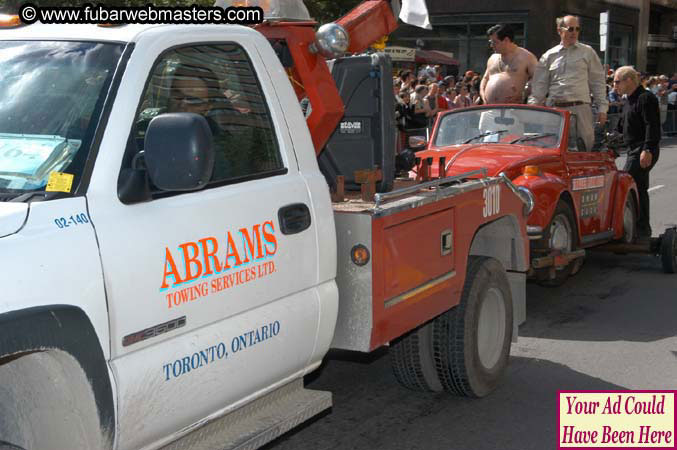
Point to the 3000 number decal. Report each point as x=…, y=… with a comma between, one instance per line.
x=77, y=219
x=492, y=200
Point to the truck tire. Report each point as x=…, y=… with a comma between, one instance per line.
x=669, y=250
x=47, y=403
x=472, y=341
x=411, y=358
x=560, y=234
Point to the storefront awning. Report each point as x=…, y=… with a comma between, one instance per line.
x=401, y=53
x=421, y=56
x=435, y=57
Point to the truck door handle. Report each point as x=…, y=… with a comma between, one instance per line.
x=294, y=218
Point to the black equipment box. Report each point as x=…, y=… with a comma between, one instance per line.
x=365, y=137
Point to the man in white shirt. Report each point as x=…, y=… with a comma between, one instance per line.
x=567, y=75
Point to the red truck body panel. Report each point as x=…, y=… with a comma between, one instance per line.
x=412, y=281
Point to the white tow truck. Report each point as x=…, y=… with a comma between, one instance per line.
x=173, y=264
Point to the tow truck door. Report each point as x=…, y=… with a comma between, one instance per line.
x=212, y=295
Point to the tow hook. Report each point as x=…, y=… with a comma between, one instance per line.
x=556, y=260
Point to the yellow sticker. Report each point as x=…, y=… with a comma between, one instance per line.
x=59, y=182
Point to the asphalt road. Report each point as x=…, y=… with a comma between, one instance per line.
x=612, y=326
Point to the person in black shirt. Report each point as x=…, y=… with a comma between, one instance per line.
x=641, y=126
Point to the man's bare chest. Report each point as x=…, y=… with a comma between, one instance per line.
x=512, y=65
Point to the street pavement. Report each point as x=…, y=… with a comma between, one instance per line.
x=613, y=326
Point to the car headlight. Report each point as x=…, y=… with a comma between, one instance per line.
x=528, y=198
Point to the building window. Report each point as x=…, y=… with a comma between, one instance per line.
x=620, y=45
x=589, y=32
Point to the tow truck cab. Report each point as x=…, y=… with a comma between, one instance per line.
x=171, y=283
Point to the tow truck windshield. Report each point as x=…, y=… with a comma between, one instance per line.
x=51, y=98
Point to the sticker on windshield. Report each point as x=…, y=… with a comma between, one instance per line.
x=59, y=182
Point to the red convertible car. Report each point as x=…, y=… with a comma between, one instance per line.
x=579, y=197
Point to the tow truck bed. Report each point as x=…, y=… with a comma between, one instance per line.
x=419, y=237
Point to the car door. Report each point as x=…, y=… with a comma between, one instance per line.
x=211, y=293
x=590, y=182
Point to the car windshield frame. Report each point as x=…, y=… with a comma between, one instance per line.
x=53, y=96
x=498, y=128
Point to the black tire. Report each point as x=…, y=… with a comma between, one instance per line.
x=563, y=217
x=629, y=218
x=411, y=358
x=669, y=250
x=467, y=364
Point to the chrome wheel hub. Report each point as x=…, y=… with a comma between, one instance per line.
x=560, y=234
x=491, y=328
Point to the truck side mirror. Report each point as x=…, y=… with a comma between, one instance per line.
x=417, y=143
x=179, y=152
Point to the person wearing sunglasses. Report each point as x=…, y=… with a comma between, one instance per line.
x=192, y=91
x=508, y=69
x=197, y=89
x=641, y=127
x=568, y=75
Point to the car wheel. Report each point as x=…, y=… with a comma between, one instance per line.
x=472, y=340
x=629, y=220
x=559, y=236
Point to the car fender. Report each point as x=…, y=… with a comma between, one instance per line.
x=65, y=328
x=547, y=190
x=625, y=186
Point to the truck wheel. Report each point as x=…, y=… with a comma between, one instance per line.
x=412, y=360
x=472, y=341
x=669, y=250
x=629, y=221
x=47, y=402
x=559, y=235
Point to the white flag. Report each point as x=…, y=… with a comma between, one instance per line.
x=414, y=12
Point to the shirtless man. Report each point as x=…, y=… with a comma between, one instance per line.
x=508, y=70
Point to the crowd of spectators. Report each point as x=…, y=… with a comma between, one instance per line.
x=421, y=96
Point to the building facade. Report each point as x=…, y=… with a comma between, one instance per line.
x=641, y=32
